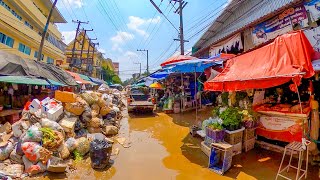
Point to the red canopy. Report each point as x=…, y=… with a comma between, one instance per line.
x=78, y=78
x=178, y=58
x=272, y=65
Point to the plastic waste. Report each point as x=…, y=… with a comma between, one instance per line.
x=100, y=152
x=71, y=144
x=33, y=134
x=83, y=146
x=5, y=151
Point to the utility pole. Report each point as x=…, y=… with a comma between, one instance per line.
x=45, y=30
x=75, y=40
x=83, y=42
x=147, y=59
x=182, y=5
x=140, y=68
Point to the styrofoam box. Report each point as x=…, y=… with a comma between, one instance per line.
x=34, y=106
x=237, y=148
x=54, y=113
x=205, y=149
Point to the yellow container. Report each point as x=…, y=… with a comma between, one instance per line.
x=65, y=97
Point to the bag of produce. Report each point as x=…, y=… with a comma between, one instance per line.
x=95, y=122
x=100, y=152
x=31, y=151
x=5, y=151
x=33, y=134
x=51, y=140
x=71, y=144
x=102, y=103
x=105, y=110
x=64, y=153
x=95, y=107
x=88, y=98
x=46, y=123
x=83, y=146
x=75, y=108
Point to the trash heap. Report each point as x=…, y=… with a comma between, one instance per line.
x=53, y=131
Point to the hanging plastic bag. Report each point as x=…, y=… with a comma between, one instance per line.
x=100, y=152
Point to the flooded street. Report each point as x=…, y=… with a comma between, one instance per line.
x=159, y=146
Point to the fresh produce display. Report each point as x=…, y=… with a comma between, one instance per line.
x=231, y=118
x=285, y=108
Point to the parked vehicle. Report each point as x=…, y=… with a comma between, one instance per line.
x=140, y=102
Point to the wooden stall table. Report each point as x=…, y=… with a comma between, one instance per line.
x=11, y=115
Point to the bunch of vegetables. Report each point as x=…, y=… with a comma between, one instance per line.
x=249, y=118
x=232, y=119
x=216, y=111
x=215, y=126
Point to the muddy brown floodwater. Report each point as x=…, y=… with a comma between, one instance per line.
x=160, y=147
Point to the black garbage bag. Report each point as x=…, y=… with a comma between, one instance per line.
x=100, y=152
x=112, y=113
x=86, y=115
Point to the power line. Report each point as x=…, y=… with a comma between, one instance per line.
x=71, y=9
x=67, y=9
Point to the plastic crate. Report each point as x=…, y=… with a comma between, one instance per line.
x=234, y=137
x=220, y=158
x=249, y=134
x=215, y=136
x=249, y=144
x=237, y=149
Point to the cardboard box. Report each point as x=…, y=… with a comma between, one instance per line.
x=68, y=124
x=54, y=113
x=34, y=106
x=65, y=97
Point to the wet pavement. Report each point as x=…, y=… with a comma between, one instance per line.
x=159, y=146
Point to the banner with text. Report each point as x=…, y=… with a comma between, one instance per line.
x=280, y=24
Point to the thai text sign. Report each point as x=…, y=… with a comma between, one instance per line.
x=280, y=24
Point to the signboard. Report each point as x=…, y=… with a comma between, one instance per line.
x=313, y=8
x=281, y=128
x=233, y=43
x=280, y=24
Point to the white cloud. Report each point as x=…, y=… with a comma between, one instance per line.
x=131, y=54
x=73, y=3
x=120, y=39
x=68, y=36
x=138, y=24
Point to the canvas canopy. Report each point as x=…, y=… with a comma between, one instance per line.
x=288, y=57
x=78, y=79
x=178, y=58
x=13, y=65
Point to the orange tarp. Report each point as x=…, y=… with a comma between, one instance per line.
x=178, y=58
x=272, y=65
x=78, y=78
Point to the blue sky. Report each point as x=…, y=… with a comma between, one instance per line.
x=123, y=26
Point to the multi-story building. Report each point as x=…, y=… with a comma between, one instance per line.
x=86, y=59
x=116, y=67
x=21, y=25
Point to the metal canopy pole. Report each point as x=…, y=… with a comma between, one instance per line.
x=195, y=91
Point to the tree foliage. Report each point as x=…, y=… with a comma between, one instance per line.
x=110, y=76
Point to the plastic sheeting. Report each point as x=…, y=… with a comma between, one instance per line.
x=178, y=58
x=13, y=65
x=197, y=65
x=272, y=65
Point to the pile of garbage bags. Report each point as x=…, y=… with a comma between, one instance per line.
x=53, y=131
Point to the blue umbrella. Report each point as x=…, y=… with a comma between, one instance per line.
x=197, y=65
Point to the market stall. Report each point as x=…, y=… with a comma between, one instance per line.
x=281, y=118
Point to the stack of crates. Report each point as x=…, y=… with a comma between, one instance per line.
x=235, y=139
x=249, y=139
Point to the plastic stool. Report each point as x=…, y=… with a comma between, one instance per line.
x=298, y=148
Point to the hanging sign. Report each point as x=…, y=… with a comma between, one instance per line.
x=280, y=24
x=281, y=128
x=313, y=8
x=233, y=43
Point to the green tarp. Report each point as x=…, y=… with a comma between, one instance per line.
x=86, y=78
x=24, y=80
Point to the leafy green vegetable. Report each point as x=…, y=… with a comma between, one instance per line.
x=77, y=155
x=216, y=111
x=231, y=118
x=215, y=126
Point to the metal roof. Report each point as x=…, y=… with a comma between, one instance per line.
x=239, y=14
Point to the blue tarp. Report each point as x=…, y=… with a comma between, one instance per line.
x=159, y=75
x=97, y=81
x=197, y=65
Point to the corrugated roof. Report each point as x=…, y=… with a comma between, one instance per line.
x=237, y=15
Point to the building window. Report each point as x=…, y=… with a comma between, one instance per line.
x=4, y=39
x=25, y=49
x=11, y=10
x=50, y=60
x=36, y=53
x=28, y=24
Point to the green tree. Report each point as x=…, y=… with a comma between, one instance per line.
x=109, y=76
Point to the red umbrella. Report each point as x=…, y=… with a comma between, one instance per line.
x=178, y=58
